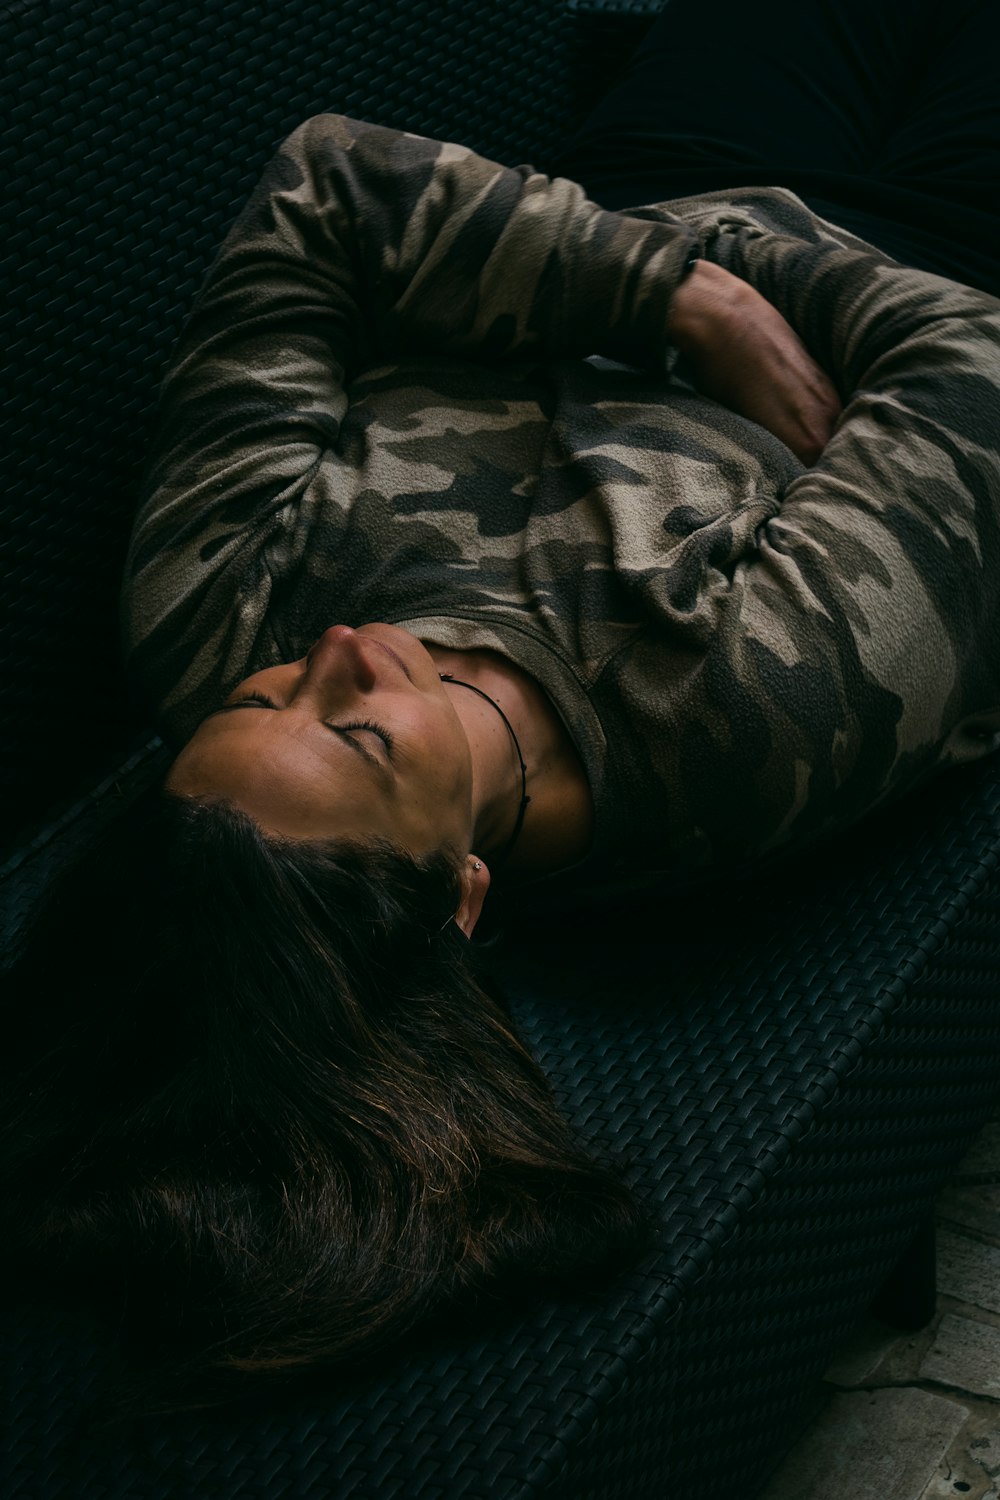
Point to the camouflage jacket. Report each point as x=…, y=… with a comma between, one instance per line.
x=425, y=388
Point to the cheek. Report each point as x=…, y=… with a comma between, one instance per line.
x=449, y=765
x=435, y=733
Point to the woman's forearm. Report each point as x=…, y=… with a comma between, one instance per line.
x=744, y=354
x=458, y=254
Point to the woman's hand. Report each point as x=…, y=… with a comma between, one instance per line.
x=745, y=355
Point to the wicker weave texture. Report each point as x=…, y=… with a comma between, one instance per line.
x=814, y=1068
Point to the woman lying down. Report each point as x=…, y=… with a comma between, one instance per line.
x=488, y=536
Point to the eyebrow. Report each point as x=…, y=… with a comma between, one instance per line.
x=342, y=735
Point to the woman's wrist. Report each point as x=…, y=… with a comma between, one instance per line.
x=706, y=291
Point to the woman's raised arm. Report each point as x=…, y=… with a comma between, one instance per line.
x=359, y=244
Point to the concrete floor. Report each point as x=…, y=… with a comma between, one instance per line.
x=917, y=1416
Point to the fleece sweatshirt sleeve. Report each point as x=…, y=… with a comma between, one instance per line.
x=360, y=244
x=863, y=634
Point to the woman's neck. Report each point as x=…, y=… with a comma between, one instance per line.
x=558, y=823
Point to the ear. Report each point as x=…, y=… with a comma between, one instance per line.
x=475, y=884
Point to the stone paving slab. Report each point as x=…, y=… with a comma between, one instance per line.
x=871, y=1445
x=972, y=1206
x=965, y=1354
x=968, y=1470
x=917, y=1416
x=984, y=1447
x=968, y=1269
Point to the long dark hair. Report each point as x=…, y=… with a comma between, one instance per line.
x=265, y=1090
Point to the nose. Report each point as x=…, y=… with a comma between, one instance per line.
x=339, y=659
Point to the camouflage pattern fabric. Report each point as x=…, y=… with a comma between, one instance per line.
x=422, y=387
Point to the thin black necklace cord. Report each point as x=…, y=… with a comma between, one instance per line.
x=525, y=799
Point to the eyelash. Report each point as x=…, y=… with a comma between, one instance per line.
x=373, y=728
x=368, y=724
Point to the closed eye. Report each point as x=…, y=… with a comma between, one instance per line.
x=371, y=727
x=249, y=700
x=260, y=700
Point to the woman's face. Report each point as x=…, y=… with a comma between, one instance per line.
x=360, y=739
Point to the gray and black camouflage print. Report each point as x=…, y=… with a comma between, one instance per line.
x=425, y=388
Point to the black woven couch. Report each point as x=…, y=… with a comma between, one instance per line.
x=788, y=1088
